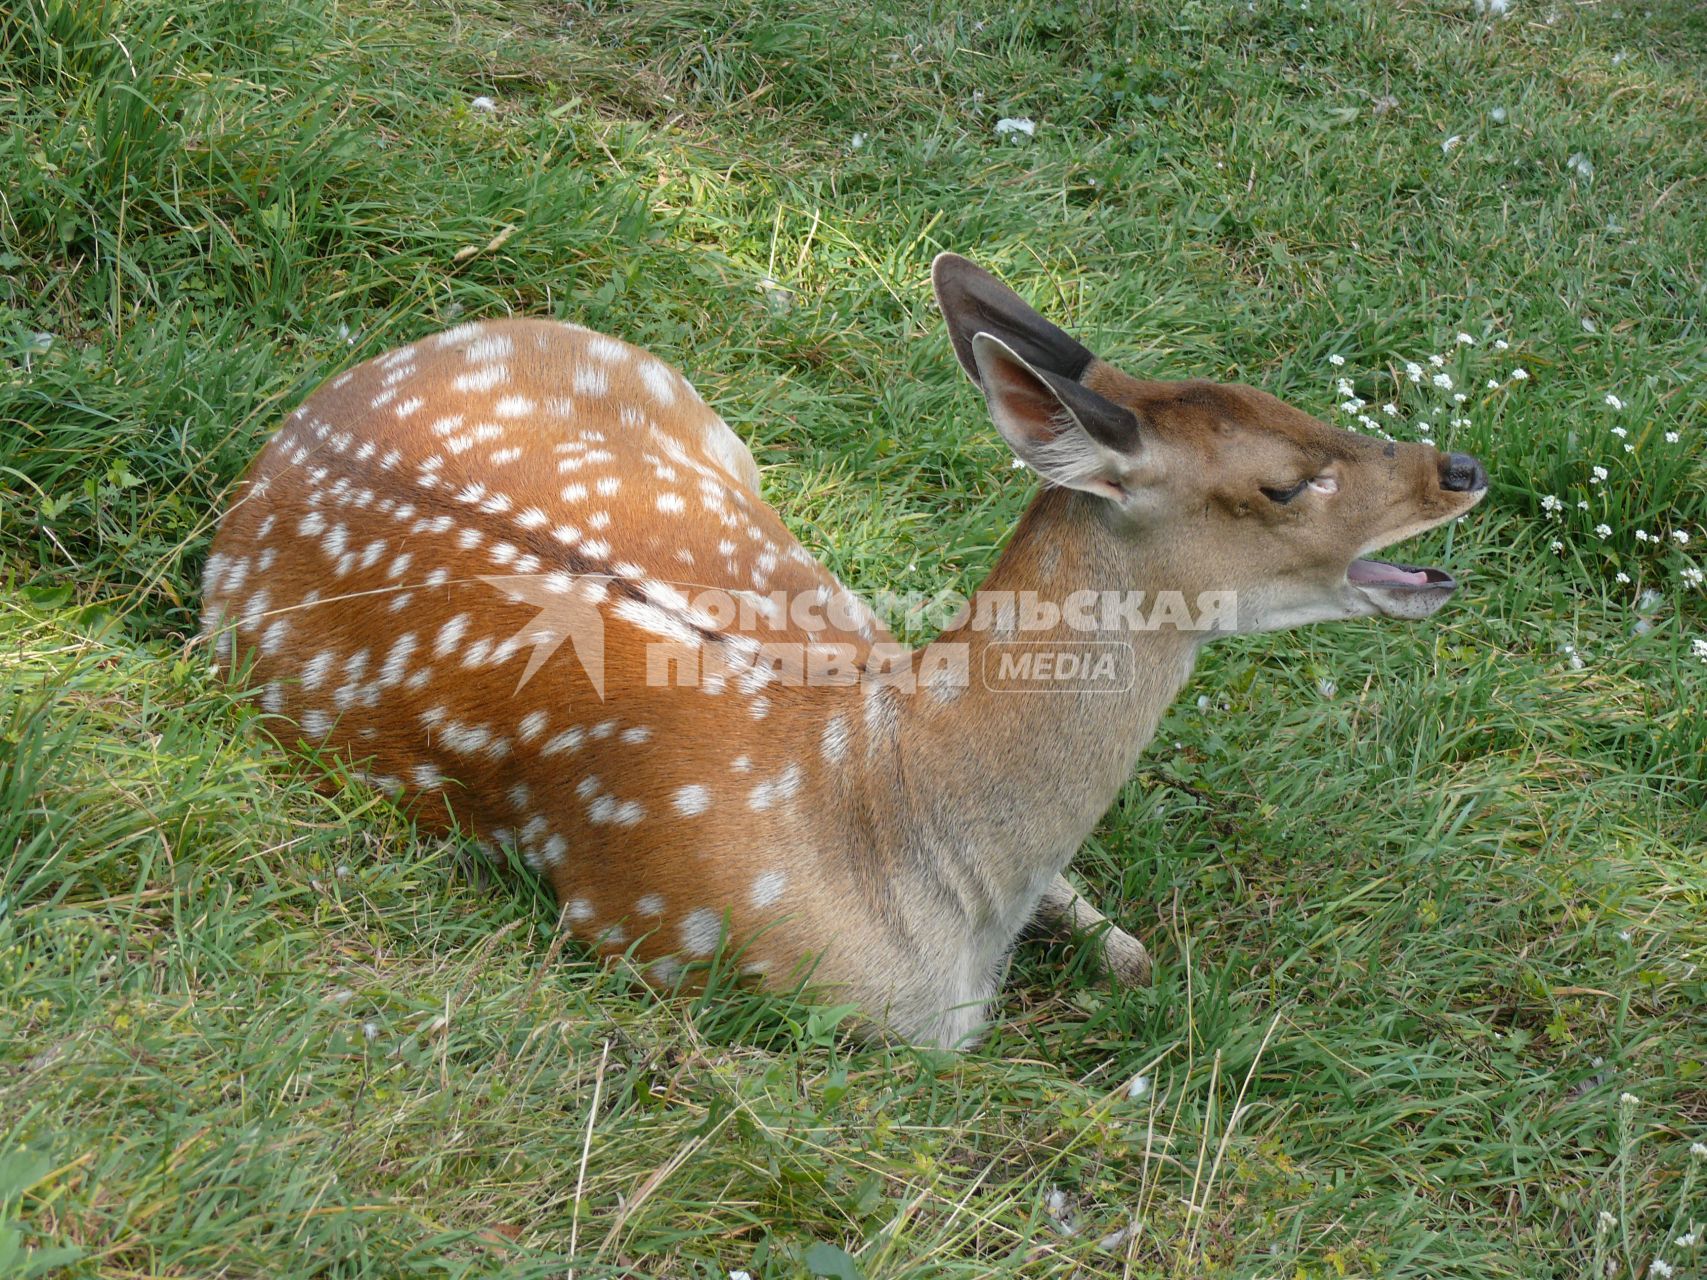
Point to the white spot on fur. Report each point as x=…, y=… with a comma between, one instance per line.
x=782, y=787
x=601, y=347
x=397, y=660
x=836, y=739
x=482, y=379
x=700, y=931
x=666, y=969
x=315, y=670
x=450, y=635
x=659, y=381
x=569, y=740
x=692, y=800
x=768, y=887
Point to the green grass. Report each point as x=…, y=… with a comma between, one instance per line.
x=1425, y=900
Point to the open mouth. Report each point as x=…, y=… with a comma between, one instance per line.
x=1401, y=590
x=1398, y=577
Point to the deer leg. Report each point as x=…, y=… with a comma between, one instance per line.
x=1123, y=956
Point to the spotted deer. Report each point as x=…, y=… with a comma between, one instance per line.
x=523, y=576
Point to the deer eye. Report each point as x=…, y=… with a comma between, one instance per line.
x=1283, y=496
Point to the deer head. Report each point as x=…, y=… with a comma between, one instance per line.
x=1210, y=487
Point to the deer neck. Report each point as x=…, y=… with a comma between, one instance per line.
x=1003, y=785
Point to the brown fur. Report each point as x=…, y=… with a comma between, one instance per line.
x=897, y=834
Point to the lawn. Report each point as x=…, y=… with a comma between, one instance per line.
x=1429, y=903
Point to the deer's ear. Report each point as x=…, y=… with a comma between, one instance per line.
x=1066, y=433
x=973, y=301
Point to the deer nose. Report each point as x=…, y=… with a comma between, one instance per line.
x=1461, y=473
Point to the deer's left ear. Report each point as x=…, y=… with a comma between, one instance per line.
x=973, y=301
x=1068, y=434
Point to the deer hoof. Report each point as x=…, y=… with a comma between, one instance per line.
x=1124, y=959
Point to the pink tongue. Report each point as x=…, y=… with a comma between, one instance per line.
x=1376, y=573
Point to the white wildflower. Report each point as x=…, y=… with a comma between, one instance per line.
x=1680, y=536
x=482, y=103
x=1499, y=115
x=1698, y=647
x=1465, y=340
x=1589, y=326
x=1582, y=504
x=1622, y=577
x=856, y=142
x=1613, y=401
x=1500, y=344
x=1443, y=381
x=1551, y=504
x=1413, y=371
x=370, y=1030
x=1493, y=384
x=1455, y=140
x=1336, y=359
x=1659, y=1267
x=1629, y=1100
x=1460, y=398
x=1642, y=535
x=1603, y=531
x=1580, y=165
x=1437, y=361
x=1672, y=437
x=1557, y=547
x=1600, y=474
x=1620, y=432
x=1698, y=1150
x=1520, y=374
x=1008, y=126
x=1692, y=576
x=1688, y=1240
x=1139, y=1086
x=1606, y=1221
x=1390, y=409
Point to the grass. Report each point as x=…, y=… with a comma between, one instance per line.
x=1426, y=901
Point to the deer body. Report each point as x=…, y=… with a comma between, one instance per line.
x=480, y=566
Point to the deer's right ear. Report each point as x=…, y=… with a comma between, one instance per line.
x=1066, y=433
x=973, y=301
